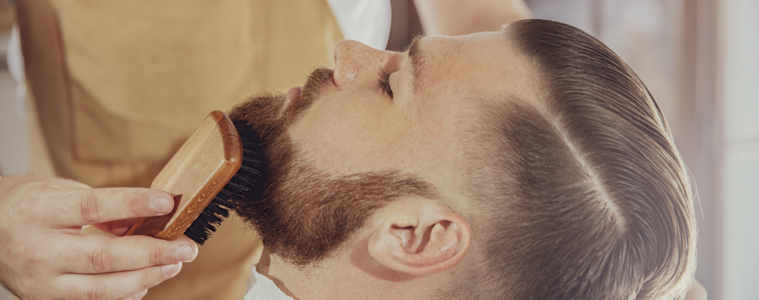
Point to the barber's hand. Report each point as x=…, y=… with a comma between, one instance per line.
x=45, y=256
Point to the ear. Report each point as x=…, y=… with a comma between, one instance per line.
x=419, y=237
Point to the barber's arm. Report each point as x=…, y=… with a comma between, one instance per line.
x=452, y=17
x=45, y=256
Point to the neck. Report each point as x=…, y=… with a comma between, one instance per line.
x=297, y=282
x=336, y=279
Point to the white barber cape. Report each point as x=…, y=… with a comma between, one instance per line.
x=262, y=288
x=366, y=21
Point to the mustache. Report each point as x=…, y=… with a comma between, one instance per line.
x=262, y=112
x=317, y=80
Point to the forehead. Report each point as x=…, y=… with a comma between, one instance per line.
x=463, y=86
x=466, y=80
x=486, y=66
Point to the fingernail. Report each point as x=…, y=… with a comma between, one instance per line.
x=170, y=270
x=186, y=252
x=160, y=204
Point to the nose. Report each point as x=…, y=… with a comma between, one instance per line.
x=358, y=65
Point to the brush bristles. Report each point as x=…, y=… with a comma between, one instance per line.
x=250, y=175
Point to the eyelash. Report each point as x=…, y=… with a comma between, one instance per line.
x=384, y=84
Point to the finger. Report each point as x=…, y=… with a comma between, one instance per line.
x=115, y=285
x=137, y=296
x=95, y=254
x=84, y=206
x=118, y=227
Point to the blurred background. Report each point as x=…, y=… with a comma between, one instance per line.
x=698, y=58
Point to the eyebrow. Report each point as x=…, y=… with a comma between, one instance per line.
x=417, y=61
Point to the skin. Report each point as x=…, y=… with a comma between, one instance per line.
x=41, y=225
x=449, y=17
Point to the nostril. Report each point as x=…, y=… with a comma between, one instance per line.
x=344, y=73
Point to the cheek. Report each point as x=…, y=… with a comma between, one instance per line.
x=350, y=134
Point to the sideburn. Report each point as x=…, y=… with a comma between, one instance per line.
x=304, y=214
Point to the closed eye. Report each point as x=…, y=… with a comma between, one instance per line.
x=384, y=84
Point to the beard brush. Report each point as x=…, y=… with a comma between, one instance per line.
x=221, y=161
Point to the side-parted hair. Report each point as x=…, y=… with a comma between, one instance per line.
x=595, y=201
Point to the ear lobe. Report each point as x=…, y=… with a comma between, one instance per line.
x=435, y=240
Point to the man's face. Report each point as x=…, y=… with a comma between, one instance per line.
x=382, y=126
x=442, y=90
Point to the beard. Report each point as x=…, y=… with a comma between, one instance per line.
x=304, y=214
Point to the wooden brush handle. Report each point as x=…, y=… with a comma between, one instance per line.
x=195, y=174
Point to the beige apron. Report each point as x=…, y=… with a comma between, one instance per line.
x=118, y=85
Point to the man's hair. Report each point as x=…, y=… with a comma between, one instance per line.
x=594, y=202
